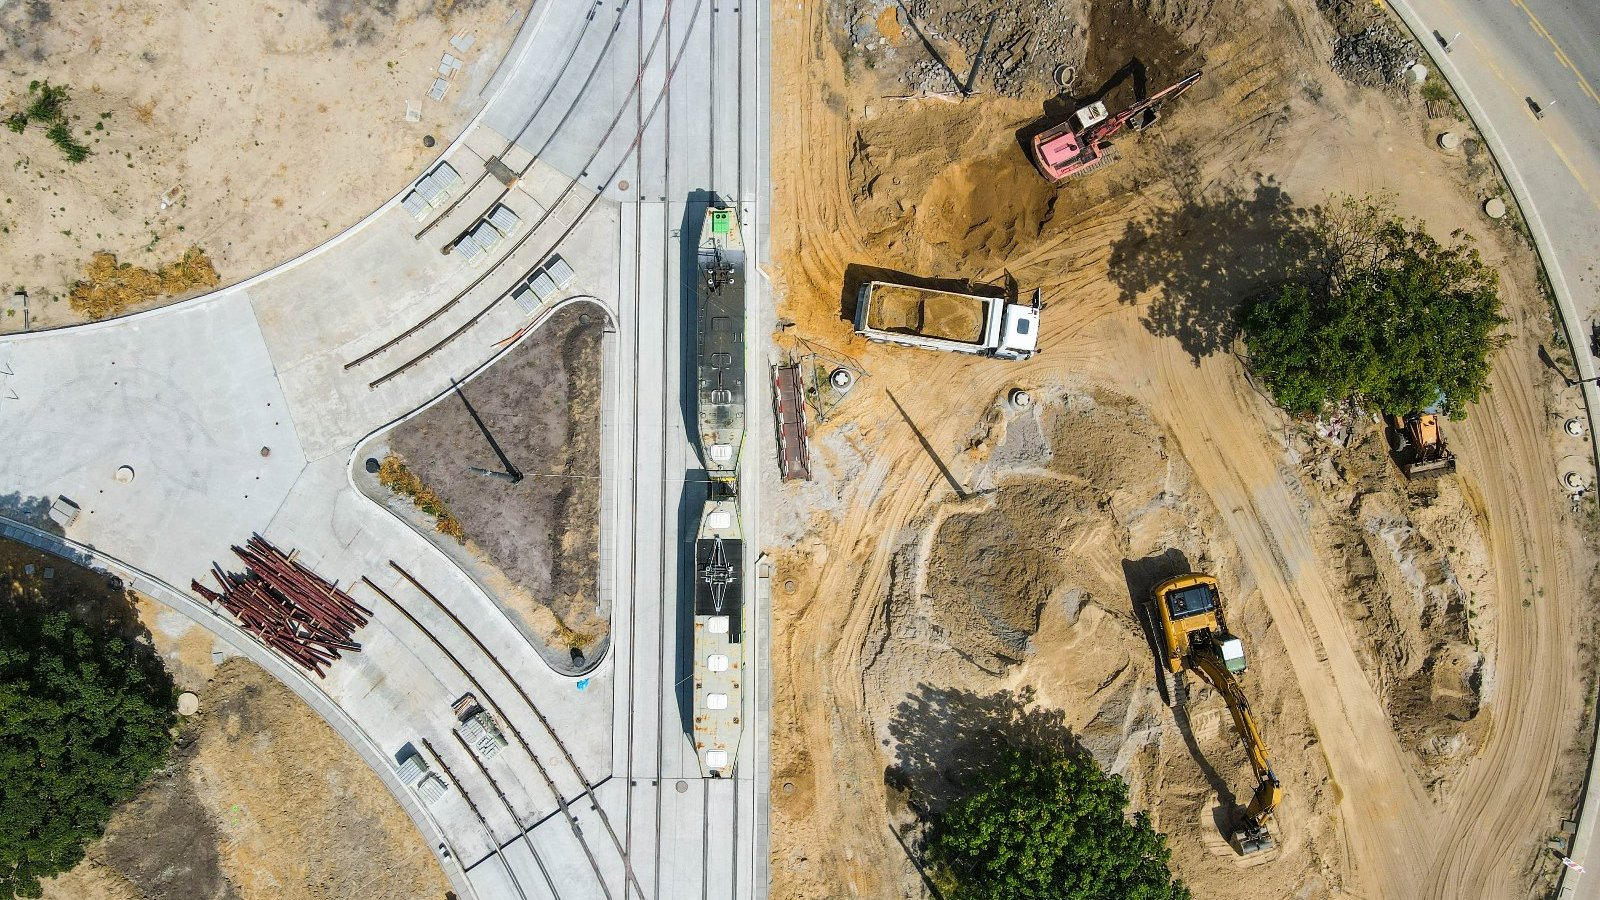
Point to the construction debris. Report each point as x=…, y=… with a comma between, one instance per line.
x=788, y=400
x=288, y=606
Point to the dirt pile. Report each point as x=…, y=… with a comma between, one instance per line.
x=1413, y=564
x=1008, y=616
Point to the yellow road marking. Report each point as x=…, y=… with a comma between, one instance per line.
x=1561, y=55
x=1575, y=176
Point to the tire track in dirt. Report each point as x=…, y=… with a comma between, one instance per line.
x=1534, y=697
x=1209, y=409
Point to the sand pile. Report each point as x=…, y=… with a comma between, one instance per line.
x=1010, y=617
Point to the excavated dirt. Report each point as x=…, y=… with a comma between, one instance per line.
x=533, y=544
x=1415, y=576
x=954, y=574
x=253, y=130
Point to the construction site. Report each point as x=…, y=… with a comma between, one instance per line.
x=1379, y=697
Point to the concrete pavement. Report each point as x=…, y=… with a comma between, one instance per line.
x=1502, y=53
x=239, y=412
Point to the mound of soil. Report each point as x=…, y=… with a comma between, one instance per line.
x=1413, y=560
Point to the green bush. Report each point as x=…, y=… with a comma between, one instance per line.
x=84, y=719
x=1043, y=824
x=49, y=107
x=1384, y=314
x=60, y=134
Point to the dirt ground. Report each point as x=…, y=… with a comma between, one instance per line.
x=261, y=799
x=535, y=543
x=964, y=575
x=253, y=131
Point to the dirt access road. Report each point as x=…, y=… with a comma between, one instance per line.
x=1142, y=266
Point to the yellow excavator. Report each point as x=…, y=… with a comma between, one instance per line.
x=1195, y=639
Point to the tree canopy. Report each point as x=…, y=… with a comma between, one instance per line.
x=84, y=719
x=1384, y=313
x=1043, y=824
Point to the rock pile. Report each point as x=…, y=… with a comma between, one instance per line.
x=1376, y=56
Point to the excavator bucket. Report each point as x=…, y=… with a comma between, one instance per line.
x=1433, y=468
x=1253, y=841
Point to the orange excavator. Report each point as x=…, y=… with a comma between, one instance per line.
x=1083, y=142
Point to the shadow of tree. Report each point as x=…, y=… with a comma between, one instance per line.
x=33, y=511
x=947, y=737
x=1197, y=261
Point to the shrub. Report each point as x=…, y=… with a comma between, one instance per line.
x=84, y=719
x=1385, y=314
x=1044, y=824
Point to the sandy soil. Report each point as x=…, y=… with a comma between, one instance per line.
x=261, y=800
x=1412, y=646
x=253, y=131
x=534, y=544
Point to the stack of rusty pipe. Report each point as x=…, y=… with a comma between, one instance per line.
x=288, y=606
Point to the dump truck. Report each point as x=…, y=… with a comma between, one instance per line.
x=943, y=320
x=1187, y=617
x=1419, y=446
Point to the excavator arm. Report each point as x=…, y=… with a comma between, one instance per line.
x=1253, y=836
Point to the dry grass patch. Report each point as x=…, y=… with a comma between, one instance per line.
x=394, y=474
x=110, y=288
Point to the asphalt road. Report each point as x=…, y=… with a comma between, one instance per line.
x=1505, y=56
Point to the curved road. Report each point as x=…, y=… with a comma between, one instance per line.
x=1502, y=53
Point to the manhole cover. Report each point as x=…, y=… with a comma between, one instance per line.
x=188, y=703
x=124, y=474
x=622, y=185
x=788, y=787
x=789, y=587
x=584, y=319
x=683, y=787
x=373, y=465
x=428, y=141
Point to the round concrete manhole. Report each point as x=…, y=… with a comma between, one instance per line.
x=1449, y=141
x=788, y=787
x=683, y=787
x=372, y=465
x=1574, y=427
x=1494, y=208
x=789, y=587
x=428, y=140
x=188, y=703
x=124, y=474
x=622, y=185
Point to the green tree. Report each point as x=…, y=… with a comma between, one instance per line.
x=1042, y=824
x=1382, y=313
x=84, y=719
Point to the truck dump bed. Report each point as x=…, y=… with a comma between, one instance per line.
x=937, y=314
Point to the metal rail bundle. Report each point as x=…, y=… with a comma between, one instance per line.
x=288, y=606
